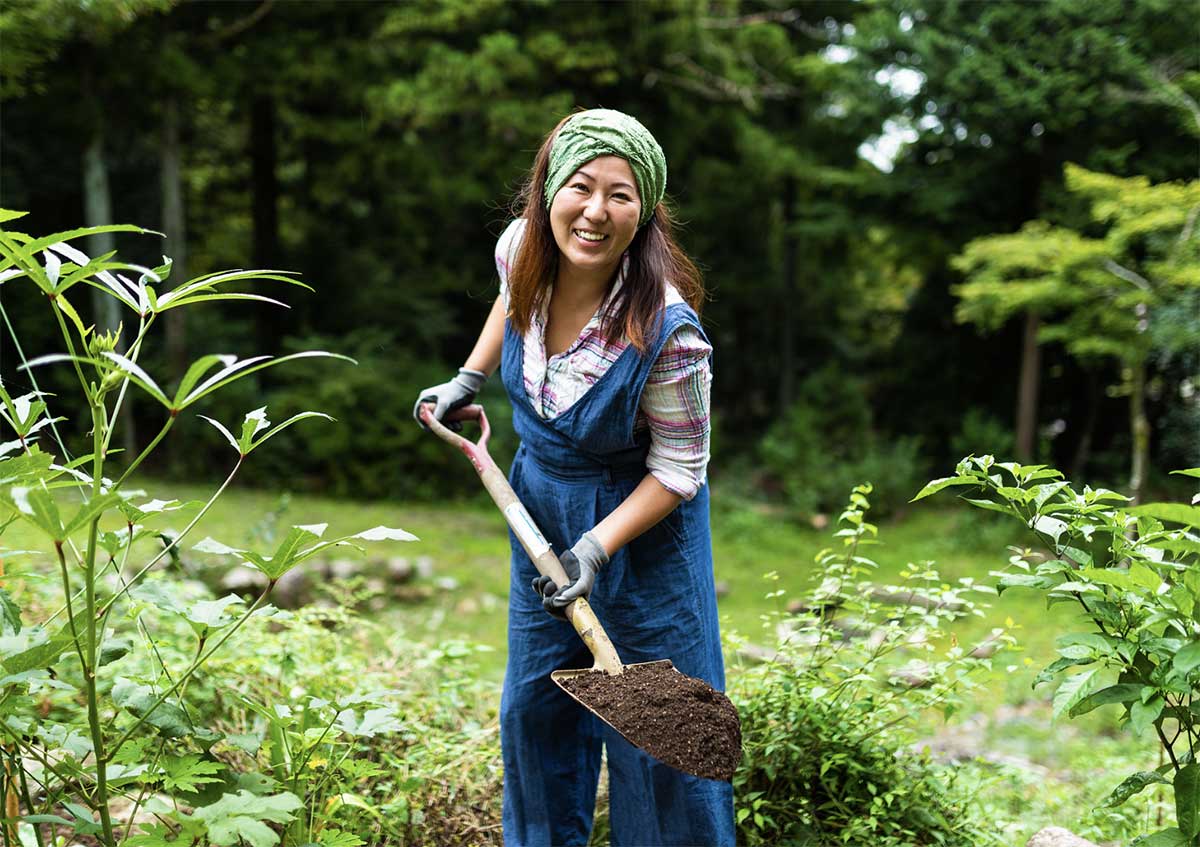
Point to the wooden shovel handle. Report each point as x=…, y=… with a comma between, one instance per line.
x=578, y=612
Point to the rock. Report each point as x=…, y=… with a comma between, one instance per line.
x=344, y=568
x=291, y=590
x=722, y=587
x=818, y=521
x=1056, y=836
x=424, y=567
x=400, y=569
x=243, y=580
x=907, y=598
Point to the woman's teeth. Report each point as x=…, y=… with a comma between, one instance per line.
x=589, y=236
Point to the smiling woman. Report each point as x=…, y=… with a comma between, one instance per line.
x=609, y=373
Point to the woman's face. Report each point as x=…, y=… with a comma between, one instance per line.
x=595, y=214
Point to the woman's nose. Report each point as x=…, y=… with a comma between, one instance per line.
x=595, y=208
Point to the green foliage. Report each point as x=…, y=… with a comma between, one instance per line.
x=824, y=445
x=121, y=716
x=384, y=453
x=828, y=718
x=1132, y=571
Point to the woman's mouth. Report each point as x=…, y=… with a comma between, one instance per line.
x=589, y=236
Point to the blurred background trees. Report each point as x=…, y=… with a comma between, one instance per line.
x=829, y=159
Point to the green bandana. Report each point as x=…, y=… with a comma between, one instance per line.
x=604, y=132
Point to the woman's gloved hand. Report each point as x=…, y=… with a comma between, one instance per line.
x=451, y=395
x=582, y=562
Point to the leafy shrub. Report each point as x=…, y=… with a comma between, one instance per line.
x=980, y=433
x=378, y=451
x=817, y=452
x=92, y=706
x=828, y=719
x=1134, y=573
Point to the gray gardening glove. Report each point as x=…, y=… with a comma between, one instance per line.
x=451, y=395
x=582, y=562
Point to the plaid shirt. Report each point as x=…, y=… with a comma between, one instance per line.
x=675, y=400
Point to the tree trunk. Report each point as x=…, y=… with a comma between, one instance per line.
x=97, y=211
x=1139, y=430
x=1027, y=393
x=787, y=340
x=265, y=204
x=1083, y=450
x=174, y=227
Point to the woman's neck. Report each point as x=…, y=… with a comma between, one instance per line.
x=577, y=287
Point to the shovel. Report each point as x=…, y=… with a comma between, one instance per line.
x=678, y=719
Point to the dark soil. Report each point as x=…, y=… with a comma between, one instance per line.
x=677, y=719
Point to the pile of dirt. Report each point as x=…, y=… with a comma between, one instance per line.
x=677, y=719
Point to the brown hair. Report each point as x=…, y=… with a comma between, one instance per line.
x=654, y=258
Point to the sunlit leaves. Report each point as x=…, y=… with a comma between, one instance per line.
x=297, y=545
x=254, y=423
x=239, y=818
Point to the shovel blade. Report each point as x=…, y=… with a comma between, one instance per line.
x=677, y=719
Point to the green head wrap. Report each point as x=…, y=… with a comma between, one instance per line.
x=604, y=132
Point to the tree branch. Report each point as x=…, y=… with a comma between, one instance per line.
x=1127, y=275
x=241, y=25
x=789, y=17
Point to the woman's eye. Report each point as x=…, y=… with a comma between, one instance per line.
x=579, y=186
x=622, y=196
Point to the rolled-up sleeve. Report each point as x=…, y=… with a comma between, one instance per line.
x=675, y=401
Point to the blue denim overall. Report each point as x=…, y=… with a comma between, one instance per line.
x=655, y=599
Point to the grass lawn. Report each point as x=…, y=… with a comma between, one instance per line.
x=1044, y=773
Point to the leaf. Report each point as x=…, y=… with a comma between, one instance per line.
x=1125, y=692
x=991, y=506
x=1195, y=472
x=937, y=485
x=138, y=699
x=1163, y=838
x=383, y=533
x=236, y=370
x=211, y=545
x=93, y=508
x=336, y=838
x=1143, y=715
x=204, y=615
x=1056, y=667
x=1187, y=659
x=114, y=649
x=37, y=506
x=188, y=773
x=1187, y=799
x=221, y=428
x=1134, y=784
x=138, y=376
x=1174, y=512
x=1072, y=690
x=293, y=419
x=253, y=423
x=1052, y=527
x=239, y=817
x=46, y=653
x=10, y=615
x=374, y=722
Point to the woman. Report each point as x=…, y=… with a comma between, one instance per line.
x=608, y=372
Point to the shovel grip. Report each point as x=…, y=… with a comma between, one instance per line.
x=578, y=612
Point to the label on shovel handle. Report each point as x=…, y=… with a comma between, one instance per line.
x=526, y=530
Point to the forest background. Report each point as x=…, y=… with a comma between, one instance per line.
x=829, y=162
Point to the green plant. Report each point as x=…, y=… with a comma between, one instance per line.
x=111, y=732
x=828, y=717
x=824, y=444
x=1134, y=573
